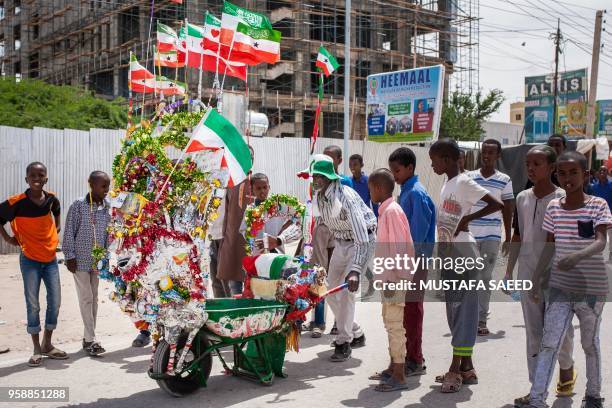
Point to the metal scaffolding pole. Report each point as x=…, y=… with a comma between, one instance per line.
x=347, y=82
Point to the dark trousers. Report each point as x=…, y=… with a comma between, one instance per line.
x=413, y=321
x=220, y=287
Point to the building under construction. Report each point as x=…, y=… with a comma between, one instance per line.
x=87, y=43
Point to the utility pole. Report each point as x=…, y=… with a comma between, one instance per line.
x=557, y=39
x=347, y=82
x=590, y=130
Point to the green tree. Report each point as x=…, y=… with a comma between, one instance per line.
x=30, y=103
x=464, y=114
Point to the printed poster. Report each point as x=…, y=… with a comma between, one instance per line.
x=571, y=105
x=405, y=106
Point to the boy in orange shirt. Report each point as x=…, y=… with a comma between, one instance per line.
x=35, y=221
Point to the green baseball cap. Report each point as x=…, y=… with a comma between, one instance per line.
x=320, y=164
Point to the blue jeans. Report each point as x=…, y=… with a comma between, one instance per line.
x=319, y=314
x=33, y=272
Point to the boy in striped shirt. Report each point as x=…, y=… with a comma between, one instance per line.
x=488, y=230
x=578, y=283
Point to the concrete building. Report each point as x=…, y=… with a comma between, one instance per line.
x=87, y=43
x=508, y=134
x=517, y=113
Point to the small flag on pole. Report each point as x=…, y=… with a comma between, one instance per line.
x=326, y=62
x=214, y=132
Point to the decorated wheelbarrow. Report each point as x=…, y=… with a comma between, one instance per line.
x=252, y=328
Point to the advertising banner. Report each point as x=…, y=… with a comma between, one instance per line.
x=604, y=118
x=405, y=106
x=571, y=107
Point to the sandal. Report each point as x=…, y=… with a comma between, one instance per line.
x=316, y=333
x=383, y=375
x=482, y=329
x=35, y=360
x=4, y=350
x=391, y=385
x=55, y=354
x=95, y=349
x=451, y=383
x=566, y=389
x=468, y=377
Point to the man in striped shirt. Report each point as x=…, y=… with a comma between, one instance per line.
x=353, y=226
x=487, y=230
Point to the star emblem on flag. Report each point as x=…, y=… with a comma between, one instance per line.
x=167, y=58
x=326, y=60
x=256, y=44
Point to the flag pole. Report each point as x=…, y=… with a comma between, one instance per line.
x=155, y=72
x=186, y=57
x=131, y=101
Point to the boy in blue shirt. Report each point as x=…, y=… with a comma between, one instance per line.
x=421, y=213
x=360, y=181
x=603, y=188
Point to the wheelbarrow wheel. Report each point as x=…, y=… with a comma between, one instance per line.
x=187, y=382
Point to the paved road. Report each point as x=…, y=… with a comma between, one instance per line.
x=118, y=379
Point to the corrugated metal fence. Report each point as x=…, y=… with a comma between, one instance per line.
x=70, y=155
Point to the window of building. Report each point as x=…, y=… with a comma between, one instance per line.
x=284, y=83
x=17, y=4
x=362, y=70
x=276, y=4
x=33, y=65
x=518, y=116
x=17, y=71
x=285, y=27
x=1, y=10
x=364, y=26
x=129, y=25
x=17, y=37
x=327, y=28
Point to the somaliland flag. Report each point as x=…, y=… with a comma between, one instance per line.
x=167, y=39
x=255, y=45
x=214, y=132
x=326, y=62
x=197, y=44
x=140, y=79
x=169, y=87
x=171, y=59
x=232, y=15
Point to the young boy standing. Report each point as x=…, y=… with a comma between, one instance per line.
x=488, y=230
x=421, y=213
x=459, y=193
x=576, y=227
x=279, y=230
x=35, y=221
x=529, y=240
x=86, y=224
x=360, y=181
x=392, y=239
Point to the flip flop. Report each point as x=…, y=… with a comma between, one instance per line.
x=35, y=360
x=55, y=354
x=390, y=385
x=4, y=350
x=566, y=389
x=383, y=375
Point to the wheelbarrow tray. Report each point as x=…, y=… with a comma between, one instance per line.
x=239, y=318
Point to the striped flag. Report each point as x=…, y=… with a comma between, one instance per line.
x=169, y=87
x=215, y=132
x=232, y=15
x=326, y=62
x=193, y=43
x=140, y=79
x=255, y=45
x=171, y=59
x=167, y=39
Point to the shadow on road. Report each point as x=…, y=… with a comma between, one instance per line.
x=116, y=357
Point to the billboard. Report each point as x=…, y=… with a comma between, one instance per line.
x=571, y=109
x=405, y=106
x=604, y=117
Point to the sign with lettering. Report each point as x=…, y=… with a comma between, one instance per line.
x=571, y=105
x=604, y=117
x=405, y=106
